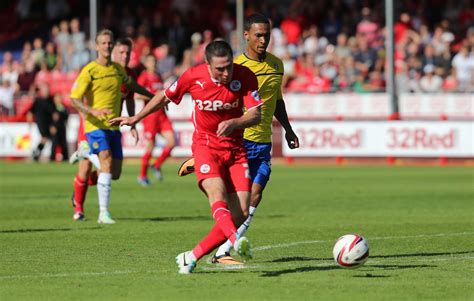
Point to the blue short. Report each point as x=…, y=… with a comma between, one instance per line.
x=100, y=140
x=259, y=157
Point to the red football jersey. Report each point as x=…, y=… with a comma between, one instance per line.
x=214, y=102
x=151, y=81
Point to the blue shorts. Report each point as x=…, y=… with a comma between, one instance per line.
x=100, y=140
x=259, y=157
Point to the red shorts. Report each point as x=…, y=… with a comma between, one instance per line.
x=156, y=123
x=81, y=135
x=229, y=164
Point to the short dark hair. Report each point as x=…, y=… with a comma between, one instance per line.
x=255, y=19
x=124, y=41
x=218, y=48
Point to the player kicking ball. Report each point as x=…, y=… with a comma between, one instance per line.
x=221, y=90
x=257, y=138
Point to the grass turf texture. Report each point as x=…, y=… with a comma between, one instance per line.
x=419, y=222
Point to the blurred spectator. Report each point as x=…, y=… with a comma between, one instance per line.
x=9, y=68
x=185, y=63
x=402, y=27
x=332, y=26
x=26, y=77
x=291, y=27
x=80, y=54
x=7, y=92
x=42, y=112
x=430, y=82
x=367, y=27
x=226, y=25
x=364, y=57
x=177, y=34
x=43, y=76
x=166, y=62
x=464, y=64
x=50, y=56
x=63, y=40
x=58, y=129
x=450, y=84
x=38, y=53
x=142, y=41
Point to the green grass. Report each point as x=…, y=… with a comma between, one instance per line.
x=419, y=222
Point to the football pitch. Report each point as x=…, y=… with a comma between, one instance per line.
x=419, y=222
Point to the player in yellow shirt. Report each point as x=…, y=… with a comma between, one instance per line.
x=100, y=83
x=258, y=138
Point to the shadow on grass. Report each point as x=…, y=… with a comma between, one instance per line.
x=299, y=270
x=422, y=254
x=166, y=218
x=302, y=258
x=371, y=276
x=45, y=230
x=335, y=267
x=298, y=258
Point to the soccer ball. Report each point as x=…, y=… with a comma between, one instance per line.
x=351, y=251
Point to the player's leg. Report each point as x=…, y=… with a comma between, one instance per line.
x=168, y=135
x=259, y=169
x=210, y=178
x=102, y=142
x=81, y=184
x=150, y=144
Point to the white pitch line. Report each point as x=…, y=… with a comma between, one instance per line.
x=8, y=277
x=296, y=243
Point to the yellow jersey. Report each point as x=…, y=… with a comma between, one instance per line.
x=269, y=74
x=101, y=87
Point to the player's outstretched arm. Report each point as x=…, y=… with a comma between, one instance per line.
x=130, y=102
x=252, y=117
x=85, y=109
x=282, y=117
x=155, y=104
x=139, y=89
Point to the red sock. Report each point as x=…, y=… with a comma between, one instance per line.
x=80, y=191
x=223, y=218
x=92, y=180
x=165, y=153
x=213, y=239
x=143, y=170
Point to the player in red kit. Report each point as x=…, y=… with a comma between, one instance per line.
x=154, y=123
x=221, y=91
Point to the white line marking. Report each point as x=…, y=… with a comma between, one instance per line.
x=72, y=274
x=263, y=248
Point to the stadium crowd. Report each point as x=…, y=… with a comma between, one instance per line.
x=326, y=46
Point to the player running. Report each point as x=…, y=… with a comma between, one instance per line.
x=258, y=138
x=86, y=176
x=220, y=90
x=153, y=124
x=100, y=82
